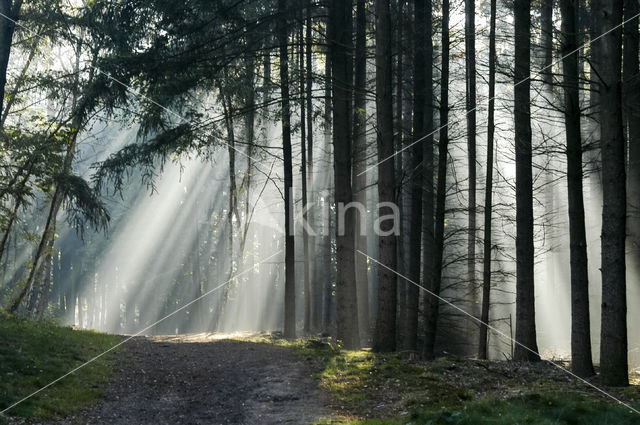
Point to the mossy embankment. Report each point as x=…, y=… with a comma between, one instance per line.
x=374, y=389
x=33, y=354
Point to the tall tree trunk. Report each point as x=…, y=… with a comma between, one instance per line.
x=359, y=177
x=419, y=89
x=197, y=312
x=289, y=281
x=546, y=24
x=608, y=54
x=581, y=363
x=399, y=73
x=325, y=264
x=488, y=191
x=233, y=204
x=470, y=68
x=266, y=95
x=525, y=299
x=71, y=301
x=81, y=313
x=631, y=100
x=249, y=122
x=327, y=292
x=342, y=73
x=402, y=244
x=428, y=242
x=9, y=226
x=594, y=95
x=314, y=291
x=385, y=331
x=38, y=285
x=47, y=235
x=39, y=299
x=303, y=170
x=431, y=325
x=11, y=10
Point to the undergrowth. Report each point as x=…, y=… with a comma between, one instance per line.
x=33, y=354
x=375, y=389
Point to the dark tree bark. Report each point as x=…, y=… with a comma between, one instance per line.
x=546, y=23
x=428, y=242
x=488, y=190
x=385, y=331
x=38, y=299
x=303, y=169
x=289, y=280
x=594, y=100
x=314, y=291
x=342, y=73
x=197, y=311
x=267, y=80
x=433, y=306
x=419, y=89
x=631, y=100
x=470, y=68
x=398, y=32
x=608, y=58
x=399, y=41
x=326, y=241
x=71, y=297
x=233, y=201
x=581, y=362
x=525, y=299
x=11, y=9
x=359, y=177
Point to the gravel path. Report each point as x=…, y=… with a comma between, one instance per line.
x=176, y=380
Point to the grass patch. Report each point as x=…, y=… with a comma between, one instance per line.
x=32, y=354
x=374, y=385
x=387, y=389
x=364, y=422
x=533, y=409
x=529, y=409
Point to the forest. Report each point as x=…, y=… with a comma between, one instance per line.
x=409, y=180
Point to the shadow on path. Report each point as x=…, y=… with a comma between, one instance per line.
x=202, y=380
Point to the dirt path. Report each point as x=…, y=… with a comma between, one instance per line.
x=173, y=380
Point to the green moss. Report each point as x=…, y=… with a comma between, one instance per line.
x=529, y=409
x=364, y=422
x=33, y=354
x=533, y=409
x=452, y=391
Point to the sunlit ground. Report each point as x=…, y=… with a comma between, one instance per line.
x=208, y=337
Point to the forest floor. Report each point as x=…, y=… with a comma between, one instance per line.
x=400, y=389
x=262, y=379
x=35, y=353
x=202, y=379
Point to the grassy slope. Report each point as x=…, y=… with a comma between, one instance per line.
x=32, y=354
x=376, y=389
x=367, y=388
